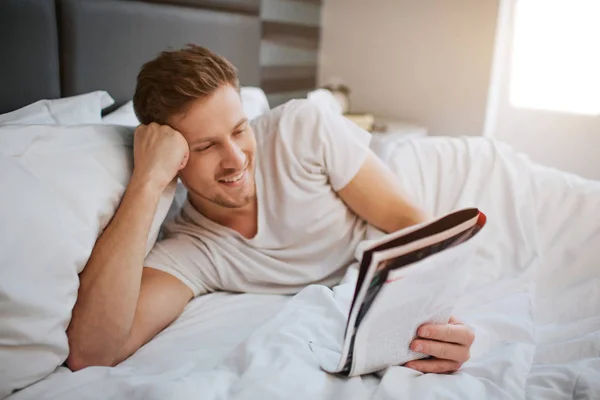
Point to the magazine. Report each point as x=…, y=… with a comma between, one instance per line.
x=406, y=278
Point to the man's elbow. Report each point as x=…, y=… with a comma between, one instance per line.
x=79, y=358
x=77, y=361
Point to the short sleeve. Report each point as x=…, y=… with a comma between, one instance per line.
x=328, y=140
x=345, y=148
x=181, y=257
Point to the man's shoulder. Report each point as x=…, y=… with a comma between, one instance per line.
x=297, y=117
x=299, y=108
x=288, y=110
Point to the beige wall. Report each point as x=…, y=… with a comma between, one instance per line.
x=568, y=142
x=427, y=61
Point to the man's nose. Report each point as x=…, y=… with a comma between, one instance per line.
x=233, y=158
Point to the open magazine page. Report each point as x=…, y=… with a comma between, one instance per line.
x=407, y=257
x=406, y=279
x=424, y=233
x=403, y=249
x=406, y=300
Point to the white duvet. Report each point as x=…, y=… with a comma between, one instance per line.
x=533, y=300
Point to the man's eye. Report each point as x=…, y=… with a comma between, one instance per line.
x=238, y=133
x=204, y=148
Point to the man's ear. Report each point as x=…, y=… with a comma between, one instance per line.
x=184, y=162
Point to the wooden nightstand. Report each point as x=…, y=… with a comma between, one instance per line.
x=396, y=130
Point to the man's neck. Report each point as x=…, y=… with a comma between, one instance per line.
x=242, y=219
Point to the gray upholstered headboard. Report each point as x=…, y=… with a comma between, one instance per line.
x=29, y=69
x=58, y=48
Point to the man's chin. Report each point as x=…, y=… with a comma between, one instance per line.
x=232, y=203
x=235, y=200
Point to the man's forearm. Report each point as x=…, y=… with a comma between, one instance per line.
x=375, y=195
x=110, y=283
x=411, y=216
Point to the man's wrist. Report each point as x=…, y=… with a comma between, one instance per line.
x=145, y=186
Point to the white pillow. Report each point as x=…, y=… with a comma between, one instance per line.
x=60, y=188
x=254, y=101
x=76, y=110
x=124, y=115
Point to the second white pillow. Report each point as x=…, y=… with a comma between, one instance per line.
x=75, y=110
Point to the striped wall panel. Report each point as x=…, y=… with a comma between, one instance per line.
x=291, y=11
x=273, y=54
x=250, y=7
x=290, y=39
x=289, y=48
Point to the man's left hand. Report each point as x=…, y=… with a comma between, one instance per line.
x=449, y=345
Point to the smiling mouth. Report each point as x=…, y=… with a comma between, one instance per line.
x=234, y=178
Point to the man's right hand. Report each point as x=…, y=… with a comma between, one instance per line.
x=159, y=153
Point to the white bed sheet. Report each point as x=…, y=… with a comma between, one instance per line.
x=533, y=300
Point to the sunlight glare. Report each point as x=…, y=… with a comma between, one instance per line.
x=556, y=56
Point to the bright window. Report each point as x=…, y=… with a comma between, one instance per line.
x=556, y=56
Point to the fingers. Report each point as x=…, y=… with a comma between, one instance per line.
x=451, y=333
x=434, y=366
x=441, y=350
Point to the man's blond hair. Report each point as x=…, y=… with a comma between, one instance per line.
x=167, y=84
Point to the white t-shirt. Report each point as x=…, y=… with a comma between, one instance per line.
x=306, y=234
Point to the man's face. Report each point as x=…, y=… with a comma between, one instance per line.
x=220, y=169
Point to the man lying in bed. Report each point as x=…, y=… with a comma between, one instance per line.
x=274, y=205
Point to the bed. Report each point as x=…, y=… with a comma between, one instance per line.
x=533, y=297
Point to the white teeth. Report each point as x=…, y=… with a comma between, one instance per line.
x=235, y=178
